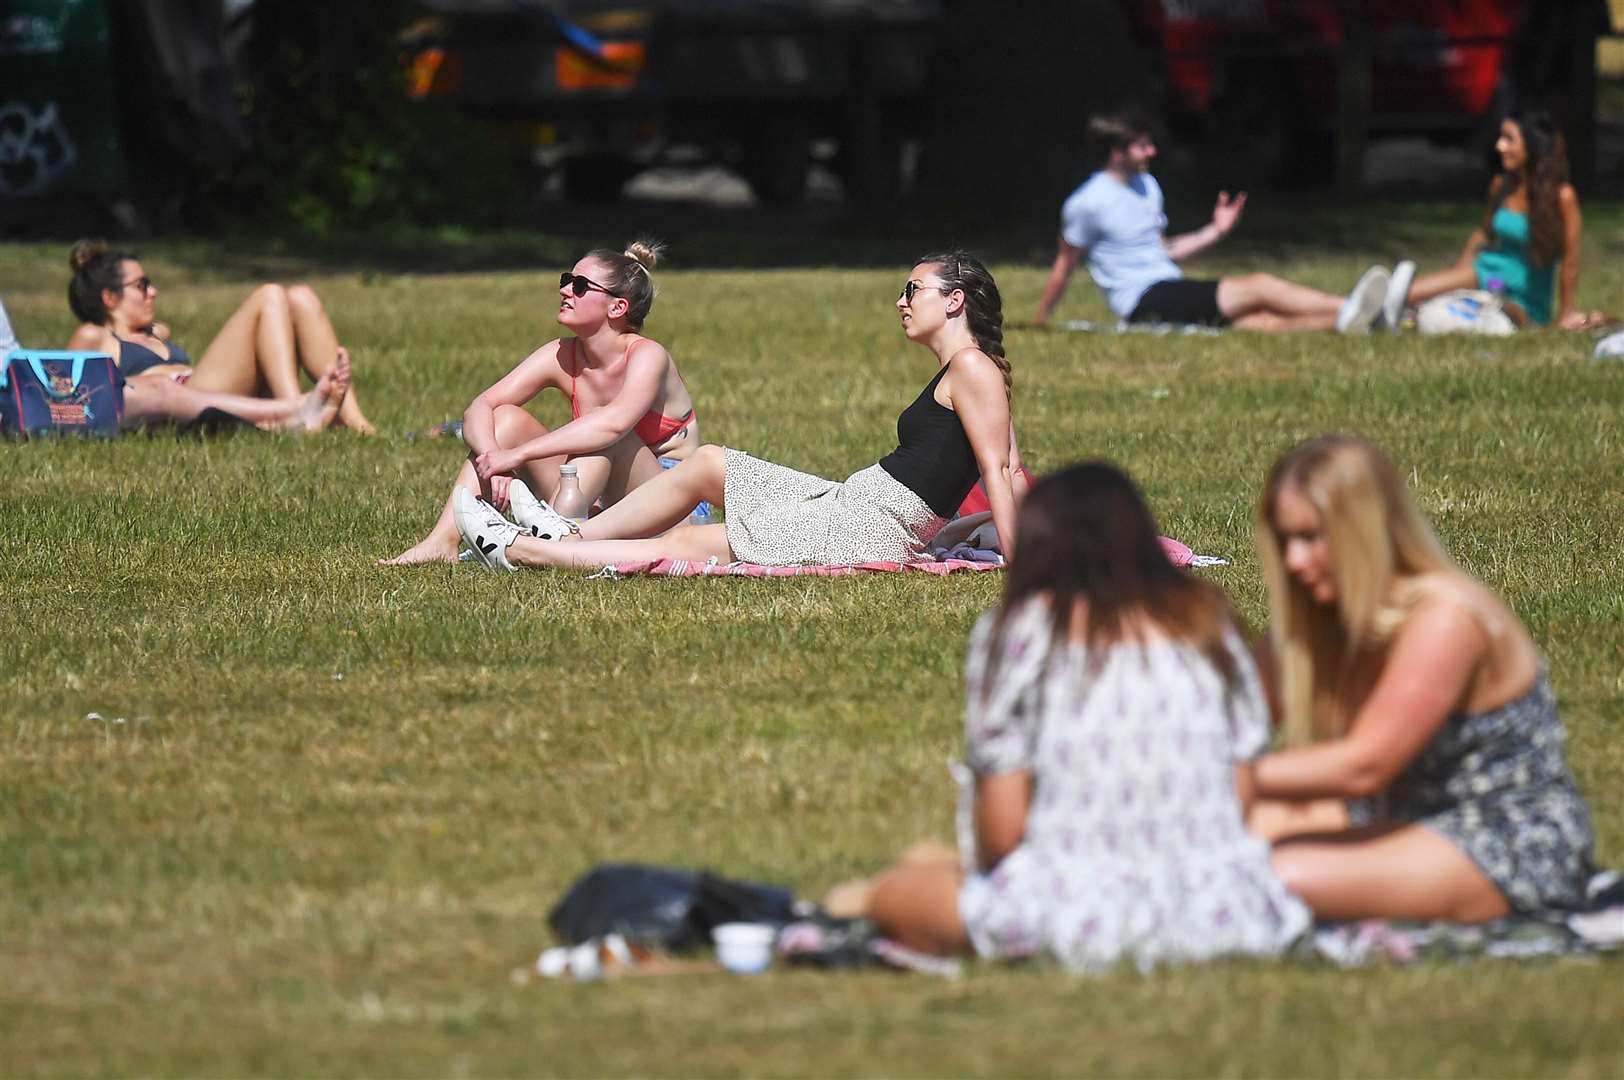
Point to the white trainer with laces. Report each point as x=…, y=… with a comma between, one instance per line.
x=541, y=520
x=1364, y=303
x=486, y=532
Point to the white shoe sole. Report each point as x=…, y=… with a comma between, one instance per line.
x=1398, y=295
x=1364, y=303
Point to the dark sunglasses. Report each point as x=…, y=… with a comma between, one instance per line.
x=143, y=283
x=579, y=285
x=910, y=289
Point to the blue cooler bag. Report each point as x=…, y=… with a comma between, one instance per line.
x=60, y=393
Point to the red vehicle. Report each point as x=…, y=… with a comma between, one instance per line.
x=1272, y=81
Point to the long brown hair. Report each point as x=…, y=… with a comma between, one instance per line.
x=1089, y=544
x=1547, y=170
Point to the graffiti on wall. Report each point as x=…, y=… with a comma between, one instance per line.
x=35, y=149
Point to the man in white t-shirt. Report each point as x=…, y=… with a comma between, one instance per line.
x=1116, y=218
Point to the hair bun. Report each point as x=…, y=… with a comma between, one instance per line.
x=85, y=250
x=645, y=252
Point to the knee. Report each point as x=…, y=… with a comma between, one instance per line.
x=304, y=299
x=710, y=458
x=513, y=425
x=1297, y=870
x=270, y=296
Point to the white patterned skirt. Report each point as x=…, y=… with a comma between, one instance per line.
x=780, y=517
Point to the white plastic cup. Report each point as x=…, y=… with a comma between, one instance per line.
x=745, y=948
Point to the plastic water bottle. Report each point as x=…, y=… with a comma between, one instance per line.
x=569, y=501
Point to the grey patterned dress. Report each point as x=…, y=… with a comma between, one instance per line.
x=1496, y=784
x=777, y=516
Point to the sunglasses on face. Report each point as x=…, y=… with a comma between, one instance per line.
x=579, y=285
x=144, y=284
x=910, y=289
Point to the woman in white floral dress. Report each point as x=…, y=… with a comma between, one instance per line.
x=1111, y=713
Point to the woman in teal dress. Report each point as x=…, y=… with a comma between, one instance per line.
x=1527, y=247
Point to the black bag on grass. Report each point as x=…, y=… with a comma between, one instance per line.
x=662, y=905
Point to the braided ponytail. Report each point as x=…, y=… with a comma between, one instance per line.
x=983, y=306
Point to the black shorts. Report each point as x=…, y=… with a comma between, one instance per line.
x=1180, y=301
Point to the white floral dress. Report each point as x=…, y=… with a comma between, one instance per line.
x=1134, y=847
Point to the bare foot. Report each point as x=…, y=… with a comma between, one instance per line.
x=349, y=414
x=427, y=550
x=320, y=407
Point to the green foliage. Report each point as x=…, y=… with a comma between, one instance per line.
x=336, y=142
x=269, y=809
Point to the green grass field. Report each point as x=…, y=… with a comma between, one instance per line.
x=266, y=809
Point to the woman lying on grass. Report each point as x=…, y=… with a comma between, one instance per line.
x=1111, y=711
x=957, y=430
x=160, y=401
x=1430, y=704
x=1530, y=230
x=257, y=353
x=632, y=416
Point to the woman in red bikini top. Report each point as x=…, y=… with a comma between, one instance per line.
x=629, y=408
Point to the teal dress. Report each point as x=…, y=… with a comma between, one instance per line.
x=1507, y=258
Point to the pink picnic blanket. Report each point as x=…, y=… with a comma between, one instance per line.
x=1178, y=554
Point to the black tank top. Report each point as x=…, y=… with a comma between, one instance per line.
x=933, y=458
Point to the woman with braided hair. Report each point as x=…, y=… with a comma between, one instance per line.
x=957, y=431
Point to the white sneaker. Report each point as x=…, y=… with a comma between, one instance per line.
x=1364, y=303
x=541, y=520
x=486, y=532
x=1398, y=295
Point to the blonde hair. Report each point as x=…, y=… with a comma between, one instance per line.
x=630, y=276
x=1380, y=545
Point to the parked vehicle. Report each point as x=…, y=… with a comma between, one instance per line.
x=1265, y=84
x=602, y=90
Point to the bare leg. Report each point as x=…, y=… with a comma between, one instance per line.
x=1297, y=307
x=255, y=345
x=850, y=899
x=694, y=542
x=1267, y=322
x=664, y=501
x=159, y=399
x=321, y=405
x=1460, y=276
x=1387, y=872
x=513, y=426
x=614, y=472
x=917, y=904
x=317, y=344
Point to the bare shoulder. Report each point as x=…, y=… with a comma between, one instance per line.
x=549, y=354
x=92, y=338
x=1453, y=611
x=647, y=351
x=1567, y=198
x=973, y=368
